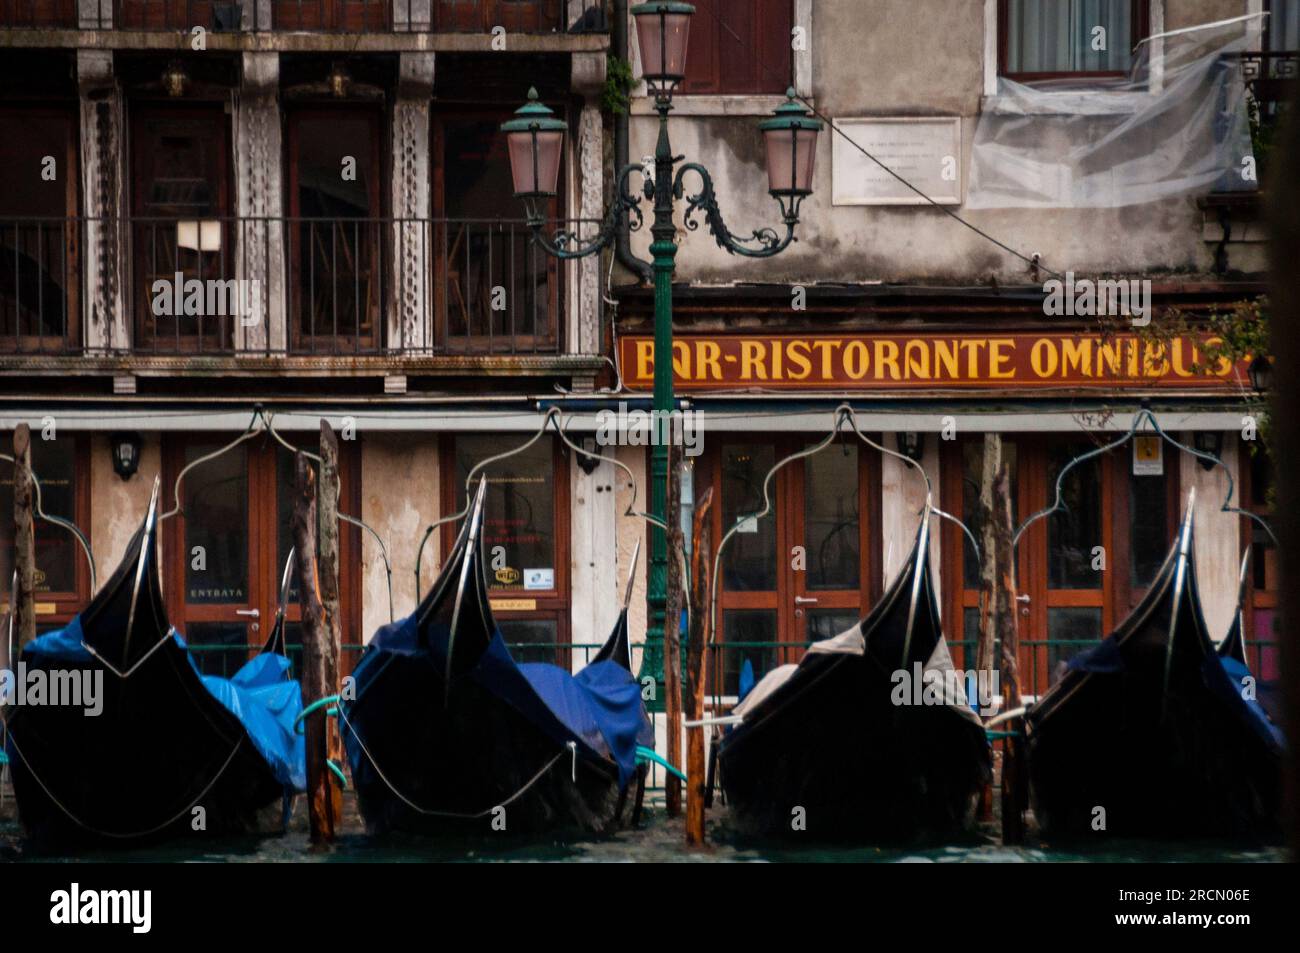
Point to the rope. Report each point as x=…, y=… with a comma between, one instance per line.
x=450, y=814
x=298, y=726
x=132, y=670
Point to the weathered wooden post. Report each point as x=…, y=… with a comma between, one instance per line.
x=328, y=566
x=1014, y=777
x=672, y=637
x=24, y=608
x=701, y=626
x=324, y=805
x=985, y=664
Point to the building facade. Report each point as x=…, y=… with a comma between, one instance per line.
x=219, y=215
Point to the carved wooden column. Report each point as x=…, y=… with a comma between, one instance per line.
x=260, y=230
x=588, y=79
x=411, y=308
x=104, y=236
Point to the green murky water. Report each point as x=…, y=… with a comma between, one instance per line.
x=659, y=839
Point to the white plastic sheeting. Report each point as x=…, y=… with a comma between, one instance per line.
x=1175, y=125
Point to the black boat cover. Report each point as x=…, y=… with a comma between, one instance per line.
x=423, y=722
x=835, y=736
x=168, y=739
x=1149, y=735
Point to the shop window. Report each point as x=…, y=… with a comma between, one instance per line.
x=525, y=541
x=62, y=574
x=740, y=46
x=38, y=238
x=1040, y=39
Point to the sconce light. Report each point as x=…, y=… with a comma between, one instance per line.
x=911, y=444
x=589, y=464
x=1208, y=441
x=175, y=79
x=338, y=81
x=126, y=454
x=1261, y=374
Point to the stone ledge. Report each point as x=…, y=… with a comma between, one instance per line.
x=278, y=41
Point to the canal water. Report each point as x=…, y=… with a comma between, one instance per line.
x=658, y=839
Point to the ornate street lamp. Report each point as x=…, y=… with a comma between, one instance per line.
x=535, y=139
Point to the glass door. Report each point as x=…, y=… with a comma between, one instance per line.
x=802, y=573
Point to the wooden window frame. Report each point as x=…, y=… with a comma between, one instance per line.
x=71, y=210
x=789, y=515
x=1140, y=24
x=67, y=604
x=327, y=343
x=264, y=566
x=140, y=112
x=712, y=84
x=1255, y=599
x=1116, y=597
x=551, y=604
x=439, y=279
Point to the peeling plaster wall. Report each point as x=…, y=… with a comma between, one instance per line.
x=117, y=506
x=873, y=59
x=399, y=482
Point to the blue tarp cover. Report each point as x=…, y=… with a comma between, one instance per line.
x=599, y=708
x=260, y=695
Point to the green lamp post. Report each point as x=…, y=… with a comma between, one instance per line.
x=535, y=138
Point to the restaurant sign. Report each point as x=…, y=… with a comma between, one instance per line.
x=929, y=361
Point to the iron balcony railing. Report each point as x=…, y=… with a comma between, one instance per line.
x=282, y=286
x=349, y=16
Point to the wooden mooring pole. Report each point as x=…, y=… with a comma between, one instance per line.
x=328, y=566
x=701, y=626
x=1015, y=779
x=324, y=804
x=24, y=608
x=672, y=638
x=985, y=663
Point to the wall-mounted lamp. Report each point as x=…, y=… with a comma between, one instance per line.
x=126, y=454
x=1210, y=442
x=911, y=444
x=1261, y=374
x=338, y=81
x=588, y=464
x=175, y=79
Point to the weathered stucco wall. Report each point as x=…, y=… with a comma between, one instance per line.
x=902, y=497
x=1218, y=552
x=117, y=506
x=399, y=485
x=911, y=58
x=630, y=530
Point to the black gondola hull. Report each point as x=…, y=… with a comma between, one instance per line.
x=859, y=767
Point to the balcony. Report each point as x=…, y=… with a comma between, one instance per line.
x=256, y=289
x=343, y=16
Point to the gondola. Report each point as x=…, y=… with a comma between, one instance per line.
x=1147, y=735
x=827, y=743
x=172, y=751
x=447, y=732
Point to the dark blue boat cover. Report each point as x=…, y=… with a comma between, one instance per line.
x=261, y=695
x=599, y=708
x=1105, y=658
